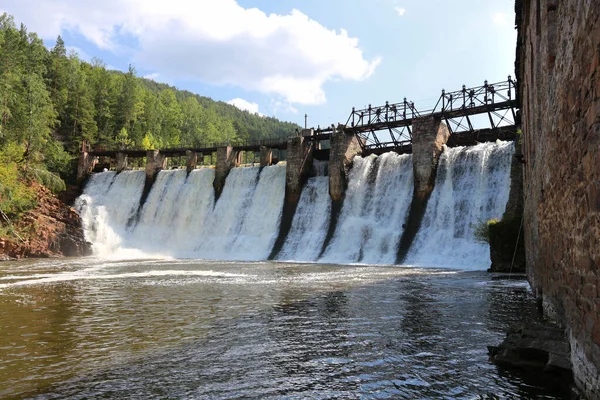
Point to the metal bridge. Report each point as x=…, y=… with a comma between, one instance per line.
x=477, y=114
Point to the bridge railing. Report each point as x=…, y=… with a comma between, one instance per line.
x=465, y=110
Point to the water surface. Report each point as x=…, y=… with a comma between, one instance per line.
x=186, y=329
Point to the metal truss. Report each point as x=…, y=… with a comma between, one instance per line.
x=468, y=110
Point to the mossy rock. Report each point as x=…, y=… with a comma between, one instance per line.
x=503, y=237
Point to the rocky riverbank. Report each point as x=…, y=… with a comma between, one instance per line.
x=538, y=351
x=51, y=229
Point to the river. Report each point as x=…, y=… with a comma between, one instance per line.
x=188, y=329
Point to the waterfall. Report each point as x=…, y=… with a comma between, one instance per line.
x=181, y=219
x=108, y=202
x=311, y=219
x=472, y=186
x=377, y=200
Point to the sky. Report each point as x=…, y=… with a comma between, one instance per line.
x=288, y=58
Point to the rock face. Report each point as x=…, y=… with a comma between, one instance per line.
x=540, y=349
x=534, y=346
x=55, y=230
x=507, y=244
x=558, y=70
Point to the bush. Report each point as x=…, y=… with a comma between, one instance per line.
x=16, y=196
x=482, y=230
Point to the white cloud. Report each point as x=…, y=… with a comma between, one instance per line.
x=153, y=76
x=502, y=19
x=401, y=11
x=217, y=42
x=244, y=105
x=278, y=106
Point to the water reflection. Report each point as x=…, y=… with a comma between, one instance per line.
x=259, y=330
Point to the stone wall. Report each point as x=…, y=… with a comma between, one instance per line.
x=428, y=140
x=429, y=137
x=507, y=244
x=344, y=147
x=558, y=70
x=227, y=158
x=299, y=163
x=298, y=167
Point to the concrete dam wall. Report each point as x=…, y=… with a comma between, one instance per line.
x=558, y=70
x=182, y=216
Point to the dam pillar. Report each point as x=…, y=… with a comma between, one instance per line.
x=298, y=166
x=85, y=165
x=155, y=162
x=227, y=158
x=299, y=163
x=121, y=162
x=266, y=156
x=344, y=147
x=428, y=139
x=191, y=159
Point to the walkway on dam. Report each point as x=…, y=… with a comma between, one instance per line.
x=472, y=115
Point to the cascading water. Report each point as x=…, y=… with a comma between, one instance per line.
x=311, y=219
x=179, y=217
x=472, y=186
x=108, y=202
x=377, y=200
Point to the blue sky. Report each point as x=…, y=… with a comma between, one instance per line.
x=286, y=58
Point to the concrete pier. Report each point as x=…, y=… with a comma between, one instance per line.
x=191, y=159
x=428, y=139
x=227, y=158
x=155, y=162
x=266, y=156
x=299, y=164
x=344, y=147
x=121, y=159
x=85, y=165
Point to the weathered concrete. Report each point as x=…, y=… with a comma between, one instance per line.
x=121, y=162
x=266, y=156
x=155, y=162
x=85, y=165
x=191, y=159
x=299, y=163
x=344, y=147
x=429, y=137
x=227, y=158
x=558, y=70
x=428, y=140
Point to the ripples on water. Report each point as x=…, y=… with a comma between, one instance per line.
x=200, y=330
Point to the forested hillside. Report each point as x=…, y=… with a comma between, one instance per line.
x=51, y=101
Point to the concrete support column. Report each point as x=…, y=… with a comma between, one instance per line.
x=428, y=140
x=121, y=162
x=429, y=137
x=266, y=156
x=85, y=165
x=299, y=163
x=227, y=158
x=344, y=147
x=155, y=162
x=191, y=159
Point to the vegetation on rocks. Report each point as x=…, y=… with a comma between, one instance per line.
x=51, y=102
